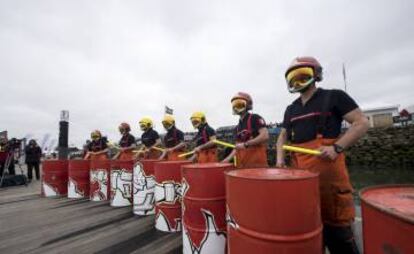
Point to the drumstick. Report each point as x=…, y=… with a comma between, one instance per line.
x=185, y=154
x=158, y=148
x=219, y=142
x=301, y=150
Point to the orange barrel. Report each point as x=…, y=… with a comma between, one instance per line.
x=273, y=211
x=99, y=180
x=144, y=187
x=388, y=219
x=168, y=195
x=54, y=178
x=78, y=184
x=121, y=182
x=204, y=207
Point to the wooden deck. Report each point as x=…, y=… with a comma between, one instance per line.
x=31, y=224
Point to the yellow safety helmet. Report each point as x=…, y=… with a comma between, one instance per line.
x=145, y=123
x=95, y=135
x=198, y=118
x=168, y=122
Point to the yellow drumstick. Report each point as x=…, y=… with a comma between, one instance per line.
x=301, y=150
x=186, y=154
x=158, y=148
x=219, y=142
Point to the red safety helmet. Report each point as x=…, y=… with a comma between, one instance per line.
x=125, y=127
x=246, y=97
x=306, y=61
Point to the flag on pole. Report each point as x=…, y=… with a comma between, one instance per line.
x=168, y=110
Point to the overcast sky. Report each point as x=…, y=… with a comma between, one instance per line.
x=113, y=61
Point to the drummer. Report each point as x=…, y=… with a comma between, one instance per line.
x=205, y=150
x=173, y=139
x=98, y=147
x=126, y=144
x=251, y=135
x=150, y=139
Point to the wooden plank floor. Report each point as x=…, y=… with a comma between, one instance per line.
x=31, y=224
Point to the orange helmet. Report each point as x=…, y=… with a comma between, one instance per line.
x=124, y=126
x=306, y=61
x=244, y=96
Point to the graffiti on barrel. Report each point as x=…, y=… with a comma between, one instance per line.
x=49, y=191
x=144, y=188
x=121, y=189
x=210, y=242
x=167, y=193
x=73, y=189
x=99, y=184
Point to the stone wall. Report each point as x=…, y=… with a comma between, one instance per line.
x=384, y=147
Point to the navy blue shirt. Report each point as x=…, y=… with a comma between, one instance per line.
x=149, y=137
x=204, y=134
x=173, y=137
x=98, y=145
x=127, y=140
x=248, y=127
x=322, y=114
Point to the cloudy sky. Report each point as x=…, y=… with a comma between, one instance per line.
x=113, y=61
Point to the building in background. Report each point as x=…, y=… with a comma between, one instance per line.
x=382, y=116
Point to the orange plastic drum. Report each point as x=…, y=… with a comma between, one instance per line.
x=78, y=184
x=388, y=219
x=168, y=195
x=121, y=182
x=204, y=208
x=273, y=211
x=54, y=178
x=144, y=187
x=99, y=180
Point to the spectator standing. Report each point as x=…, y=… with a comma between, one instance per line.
x=33, y=154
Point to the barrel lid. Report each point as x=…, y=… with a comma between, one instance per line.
x=272, y=174
x=396, y=200
x=208, y=165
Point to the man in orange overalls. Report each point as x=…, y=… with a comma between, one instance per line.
x=127, y=143
x=314, y=121
x=205, y=150
x=173, y=140
x=150, y=139
x=98, y=147
x=251, y=135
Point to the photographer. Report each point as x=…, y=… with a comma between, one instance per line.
x=33, y=154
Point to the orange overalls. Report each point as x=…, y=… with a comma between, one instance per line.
x=126, y=155
x=96, y=148
x=337, y=205
x=253, y=156
x=207, y=155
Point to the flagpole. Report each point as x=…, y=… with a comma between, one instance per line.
x=344, y=75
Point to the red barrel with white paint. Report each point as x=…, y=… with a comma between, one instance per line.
x=273, y=211
x=204, y=208
x=54, y=178
x=121, y=182
x=168, y=195
x=144, y=187
x=78, y=182
x=388, y=219
x=99, y=180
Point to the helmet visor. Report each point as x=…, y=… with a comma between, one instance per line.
x=95, y=136
x=195, y=122
x=300, y=78
x=143, y=126
x=167, y=125
x=239, y=105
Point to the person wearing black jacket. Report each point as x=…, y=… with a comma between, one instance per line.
x=33, y=153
